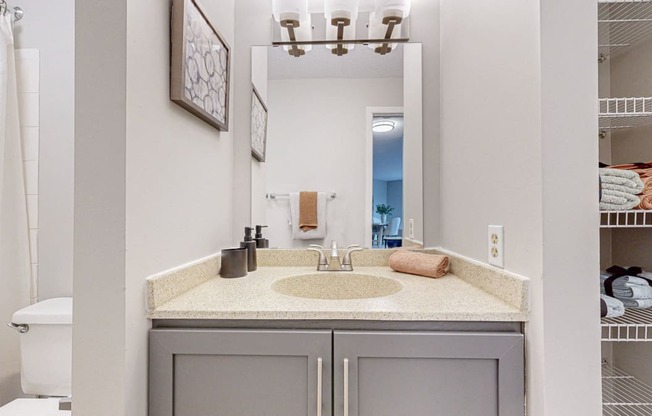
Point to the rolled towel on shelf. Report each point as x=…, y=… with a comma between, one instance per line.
x=637, y=303
x=429, y=265
x=645, y=201
x=611, y=307
x=626, y=178
x=618, y=201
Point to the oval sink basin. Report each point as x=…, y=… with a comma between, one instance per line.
x=336, y=285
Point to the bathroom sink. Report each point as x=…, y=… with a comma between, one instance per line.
x=336, y=285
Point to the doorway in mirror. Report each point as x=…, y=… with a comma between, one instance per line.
x=387, y=205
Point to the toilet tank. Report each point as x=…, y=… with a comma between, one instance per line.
x=46, y=347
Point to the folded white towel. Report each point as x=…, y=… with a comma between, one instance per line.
x=628, y=287
x=318, y=233
x=615, y=307
x=637, y=303
x=618, y=201
x=626, y=281
x=620, y=188
x=626, y=178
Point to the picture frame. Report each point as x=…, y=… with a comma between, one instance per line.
x=259, y=116
x=199, y=65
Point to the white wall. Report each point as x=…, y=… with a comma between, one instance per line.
x=570, y=226
x=179, y=175
x=395, y=199
x=253, y=27
x=425, y=28
x=50, y=27
x=415, y=143
x=320, y=145
x=258, y=169
x=525, y=164
x=379, y=194
x=99, y=303
x=168, y=177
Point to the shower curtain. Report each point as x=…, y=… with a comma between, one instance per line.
x=15, y=271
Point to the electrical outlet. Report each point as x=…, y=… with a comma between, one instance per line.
x=411, y=228
x=496, y=245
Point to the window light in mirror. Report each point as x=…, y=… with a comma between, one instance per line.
x=383, y=126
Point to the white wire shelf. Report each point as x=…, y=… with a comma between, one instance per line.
x=634, y=326
x=622, y=23
x=626, y=219
x=623, y=394
x=624, y=113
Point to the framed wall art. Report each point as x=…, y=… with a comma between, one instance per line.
x=199, y=67
x=258, y=126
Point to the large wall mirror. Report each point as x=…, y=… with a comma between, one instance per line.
x=350, y=128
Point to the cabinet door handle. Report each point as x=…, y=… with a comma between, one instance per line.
x=346, y=387
x=320, y=366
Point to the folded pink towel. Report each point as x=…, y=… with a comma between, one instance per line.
x=429, y=265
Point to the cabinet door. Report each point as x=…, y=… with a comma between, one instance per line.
x=240, y=373
x=428, y=374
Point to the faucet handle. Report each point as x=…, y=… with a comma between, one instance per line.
x=346, y=261
x=316, y=246
x=322, y=257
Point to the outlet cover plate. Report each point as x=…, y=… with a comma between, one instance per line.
x=411, y=228
x=496, y=245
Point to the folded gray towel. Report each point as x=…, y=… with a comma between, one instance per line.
x=630, y=180
x=618, y=201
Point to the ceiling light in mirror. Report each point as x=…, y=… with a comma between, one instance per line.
x=383, y=126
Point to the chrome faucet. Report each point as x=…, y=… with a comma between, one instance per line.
x=333, y=264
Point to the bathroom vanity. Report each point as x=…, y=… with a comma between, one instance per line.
x=449, y=346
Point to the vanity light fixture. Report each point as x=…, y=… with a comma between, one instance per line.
x=386, y=23
x=383, y=126
x=293, y=16
x=341, y=16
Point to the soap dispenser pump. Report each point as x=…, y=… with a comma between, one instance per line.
x=250, y=245
x=260, y=241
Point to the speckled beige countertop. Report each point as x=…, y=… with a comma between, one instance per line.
x=449, y=298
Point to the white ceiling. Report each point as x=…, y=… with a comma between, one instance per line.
x=361, y=62
x=388, y=151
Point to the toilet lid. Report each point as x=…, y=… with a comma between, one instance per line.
x=33, y=407
x=51, y=311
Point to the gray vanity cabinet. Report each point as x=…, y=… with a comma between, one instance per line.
x=428, y=373
x=240, y=373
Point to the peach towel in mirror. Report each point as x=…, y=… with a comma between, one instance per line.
x=308, y=211
x=429, y=265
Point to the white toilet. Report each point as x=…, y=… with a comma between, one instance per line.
x=45, y=331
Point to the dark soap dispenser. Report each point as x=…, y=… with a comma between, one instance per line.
x=260, y=241
x=250, y=245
